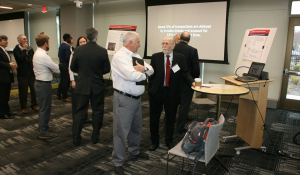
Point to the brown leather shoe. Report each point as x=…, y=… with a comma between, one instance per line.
x=57, y=97
x=35, y=108
x=24, y=111
x=66, y=100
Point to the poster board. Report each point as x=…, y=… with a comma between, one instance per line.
x=255, y=47
x=115, y=37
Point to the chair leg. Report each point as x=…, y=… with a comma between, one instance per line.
x=205, y=169
x=167, y=164
x=182, y=163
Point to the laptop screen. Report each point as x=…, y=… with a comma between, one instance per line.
x=256, y=69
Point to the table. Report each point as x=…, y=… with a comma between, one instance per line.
x=221, y=89
x=251, y=112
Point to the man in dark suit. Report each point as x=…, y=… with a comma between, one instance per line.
x=91, y=62
x=192, y=61
x=64, y=53
x=164, y=89
x=23, y=55
x=6, y=67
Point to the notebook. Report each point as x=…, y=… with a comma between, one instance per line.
x=253, y=74
x=140, y=61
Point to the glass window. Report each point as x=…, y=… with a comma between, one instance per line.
x=295, y=10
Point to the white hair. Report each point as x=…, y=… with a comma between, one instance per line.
x=129, y=36
x=19, y=37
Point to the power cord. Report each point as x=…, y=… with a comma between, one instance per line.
x=264, y=127
x=239, y=68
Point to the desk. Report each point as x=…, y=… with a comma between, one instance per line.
x=222, y=89
x=249, y=121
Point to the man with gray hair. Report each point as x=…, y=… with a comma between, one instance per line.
x=23, y=55
x=127, y=72
x=91, y=62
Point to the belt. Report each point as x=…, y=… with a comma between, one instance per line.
x=127, y=95
x=64, y=63
x=43, y=81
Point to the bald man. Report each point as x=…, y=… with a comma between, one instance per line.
x=177, y=38
x=192, y=61
x=164, y=89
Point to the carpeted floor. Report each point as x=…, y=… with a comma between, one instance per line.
x=21, y=152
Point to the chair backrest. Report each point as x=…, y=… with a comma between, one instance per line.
x=212, y=139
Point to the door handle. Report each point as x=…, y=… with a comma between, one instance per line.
x=287, y=72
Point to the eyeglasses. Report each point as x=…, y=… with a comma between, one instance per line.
x=165, y=44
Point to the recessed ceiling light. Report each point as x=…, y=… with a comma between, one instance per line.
x=29, y=4
x=3, y=7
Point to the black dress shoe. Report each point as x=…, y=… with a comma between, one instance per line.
x=181, y=130
x=169, y=145
x=141, y=156
x=76, y=142
x=95, y=141
x=12, y=113
x=6, y=117
x=88, y=121
x=153, y=147
x=118, y=170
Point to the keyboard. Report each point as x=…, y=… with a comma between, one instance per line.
x=246, y=79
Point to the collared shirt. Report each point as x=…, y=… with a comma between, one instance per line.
x=6, y=53
x=124, y=76
x=71, y=73
x=43, y=66
x=171, y=60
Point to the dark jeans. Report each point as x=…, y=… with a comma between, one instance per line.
x=4, y=98
x=23, y=83
x=64, y=81
x=44, y=93
x=156, y=107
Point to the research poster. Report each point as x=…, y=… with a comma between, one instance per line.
x=115, y=37
x=255, y=47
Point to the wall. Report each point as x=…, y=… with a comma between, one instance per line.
x=248, y=14
x=44, y=22
x=129, y=12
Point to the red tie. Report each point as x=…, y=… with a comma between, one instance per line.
x=168, y=68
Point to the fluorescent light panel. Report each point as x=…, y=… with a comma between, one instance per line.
x=3, y=7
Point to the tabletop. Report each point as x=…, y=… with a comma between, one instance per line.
x=222, y=89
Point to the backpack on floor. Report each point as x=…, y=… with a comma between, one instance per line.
x=195, y=137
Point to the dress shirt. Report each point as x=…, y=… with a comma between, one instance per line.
x=42, y=63
x=171, y=59
x=71, y=73
x=6, y=53
x=124, y=76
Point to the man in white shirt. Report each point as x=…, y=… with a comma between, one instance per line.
x=43, y=66
x=127, y=110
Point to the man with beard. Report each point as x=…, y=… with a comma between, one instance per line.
x=43, y=67
x=164, y=89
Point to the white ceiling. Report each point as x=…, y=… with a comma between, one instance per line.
x=38, y=4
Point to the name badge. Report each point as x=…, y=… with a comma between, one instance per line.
x=175, y=68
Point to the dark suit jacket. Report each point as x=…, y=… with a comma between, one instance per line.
x=156, y=81
x=25, y=67
x=64, y=53
x=5, y=71
x=91, y=62
x=191, y=55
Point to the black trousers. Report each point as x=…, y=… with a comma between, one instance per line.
x=64, y=81
x=156, y=106
x=4, y=98
x=97, y=103
x=23, y=83
x=74, y=101
x=186, y=96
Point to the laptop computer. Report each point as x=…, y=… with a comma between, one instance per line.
x=253, y=74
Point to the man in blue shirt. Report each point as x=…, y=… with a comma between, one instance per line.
x=64, y=53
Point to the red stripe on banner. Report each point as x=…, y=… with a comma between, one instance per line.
x=259, y=31
x=122, y=27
